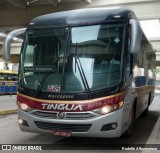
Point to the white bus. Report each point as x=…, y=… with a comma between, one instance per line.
x=87, y=72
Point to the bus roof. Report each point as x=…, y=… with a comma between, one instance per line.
x=81, y=16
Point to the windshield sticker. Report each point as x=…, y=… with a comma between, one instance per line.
x=54, y=88
x=117, y=40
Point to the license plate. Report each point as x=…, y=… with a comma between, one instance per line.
x=62, y=133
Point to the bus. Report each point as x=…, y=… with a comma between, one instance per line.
x=87, y=73
x=8, y=82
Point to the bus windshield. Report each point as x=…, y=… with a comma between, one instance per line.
x=69, y=59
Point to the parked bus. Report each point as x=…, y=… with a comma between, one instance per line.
x=8, y=82
x=87, y=72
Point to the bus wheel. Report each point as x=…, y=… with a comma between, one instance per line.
x=129, y=131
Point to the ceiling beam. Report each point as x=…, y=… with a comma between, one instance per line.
x=53, y=2
x=87, y=1
x=18, y=3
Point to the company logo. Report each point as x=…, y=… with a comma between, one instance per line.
x=61, y=115
x=62, y=107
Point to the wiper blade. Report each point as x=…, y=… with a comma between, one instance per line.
x=82, y=74
x=45, y=77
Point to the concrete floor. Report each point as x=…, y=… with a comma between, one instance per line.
x=7, y=102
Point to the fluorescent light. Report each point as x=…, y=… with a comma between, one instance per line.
x=17, y=39
x=151, y=28
x=2, y=34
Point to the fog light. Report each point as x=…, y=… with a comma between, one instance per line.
x=23, y=122
x=20, y=121
x=114, y=126
x=110, y=126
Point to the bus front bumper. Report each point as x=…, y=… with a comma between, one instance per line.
x=109, y=126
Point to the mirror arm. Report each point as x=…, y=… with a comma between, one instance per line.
x=7, y=42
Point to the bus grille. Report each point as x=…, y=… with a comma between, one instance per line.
x=45, y=114
x=68, y=116
x=70, y=127
x=79, y=115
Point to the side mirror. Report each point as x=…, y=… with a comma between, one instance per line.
x=7, y=42
x=136, y=36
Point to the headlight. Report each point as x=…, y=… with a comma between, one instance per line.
x=24, y=107
x=104, y=110
x=109, y=108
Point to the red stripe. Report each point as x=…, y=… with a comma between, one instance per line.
x=40, y=105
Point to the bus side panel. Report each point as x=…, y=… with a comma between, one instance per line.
x=142, y=103
x=128, y=104
x=144, y=76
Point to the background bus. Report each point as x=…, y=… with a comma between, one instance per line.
x=8, y=82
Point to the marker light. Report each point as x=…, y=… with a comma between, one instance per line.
x=109, y=108
x=121, y=104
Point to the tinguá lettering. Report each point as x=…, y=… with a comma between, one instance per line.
x=62, y=107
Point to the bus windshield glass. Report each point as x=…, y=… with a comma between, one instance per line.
x=69, y=59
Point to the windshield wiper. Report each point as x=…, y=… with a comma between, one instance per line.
x=82, y=74
x=45, y=77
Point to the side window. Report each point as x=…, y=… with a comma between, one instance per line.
x=129, y=38
x=28, y=61
x=129, y=58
